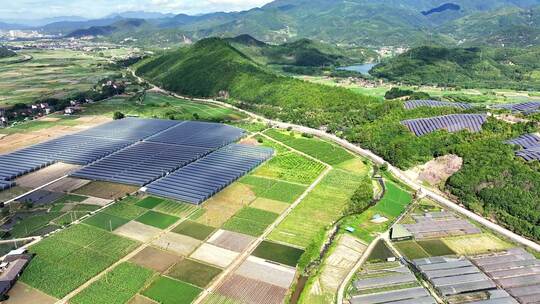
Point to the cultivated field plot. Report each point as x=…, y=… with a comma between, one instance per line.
x=69, y=258
x=170, y=291
x=106, y=190
x=450, y=123
x=476, y=244
x=334, y=270
x=246, y=290
x=231, y=240
x=195, y=230
x=250, y=221
x=317, y=148
x=440, y=224
x=163, y=106
x=51, y=73
x=318, y=209
x=193, y=272
x=413, y=104
x=273, y=189
x=66, y=185
x=156, y=259
x=515, y=270
x=291, y=167
x=177, y=243
x=21, y=293
x=214, y=255
x=279, y=253
x=137, y=231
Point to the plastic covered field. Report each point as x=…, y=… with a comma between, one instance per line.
x=200, y=180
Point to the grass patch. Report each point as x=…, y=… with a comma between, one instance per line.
x=291, y=167
x=115, y=287
x=411, y=250
x=106, y=221
x=175, y=208
x=380, y=253
x=194, y=230
x=194, y=272
x=278, y=253
x=169, y=291
x=315, y=147
x=106, y=190
x=320, y=208
x=250, y=221
x=124, y=210
x=476, y=244
x=435, y=247
x=157, y=219
x=70, y=198
x=149, y=202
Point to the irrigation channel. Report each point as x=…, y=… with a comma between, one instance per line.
x=330, y=238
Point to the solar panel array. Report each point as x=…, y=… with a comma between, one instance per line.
x=141, y=163
x=413, y=104
x=530, y=144
x=202, y=179
x=200, y=134
x=525, y=141
x=4, y=185
x=515, y=270
x=451, y=123
x=73, y=149
x=452, y=276
x=523, y=108
x=130, y=128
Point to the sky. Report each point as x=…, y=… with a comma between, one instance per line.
x=37, y=9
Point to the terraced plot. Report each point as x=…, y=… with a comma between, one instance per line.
x=319, y=209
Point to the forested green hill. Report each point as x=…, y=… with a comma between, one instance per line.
x=465, y=67
x=492, y=181
x=5, y=52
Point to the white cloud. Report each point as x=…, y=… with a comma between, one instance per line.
x=32, y=9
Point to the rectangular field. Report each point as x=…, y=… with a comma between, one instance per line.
x=157, y=219
x=286, y=255
x=169, y=291
x=250, y=221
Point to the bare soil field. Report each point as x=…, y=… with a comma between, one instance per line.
x=67, y=184
x=137, y=231
x=438, y=170
x=251, y=291
x=214, y=255
x=46, y=175
x=270, y=205
x=105, y=190
x=16, y=141
x=155, y=259
x=261, y=270
x=177, y=243
x=138, y=299
x=96, y=201
x=24, y=294
x=231, y=240
x=335, y=269
x=225, y=204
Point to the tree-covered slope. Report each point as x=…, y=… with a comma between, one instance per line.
x=492, y=181
x=466, y=67
x=5, y=52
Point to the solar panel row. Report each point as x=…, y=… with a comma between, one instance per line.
x=141, y=163
x=530, y=144
x=73, y=149
x=202, y=179
x=200, y=134
x=413, y=104
x=523, y=108
x=130, y=128
x=453, y=276
x=451, y=123
x=4, y=185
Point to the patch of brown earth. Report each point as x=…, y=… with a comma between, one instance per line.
x=437, y=171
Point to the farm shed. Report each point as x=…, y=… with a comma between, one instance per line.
x=11, y=268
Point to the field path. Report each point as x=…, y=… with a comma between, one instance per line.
x=433, y=194
x=248, y=251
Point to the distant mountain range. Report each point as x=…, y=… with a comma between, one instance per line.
x=350, y=22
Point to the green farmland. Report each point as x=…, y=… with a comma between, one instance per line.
x=162, y=106
x=50, y=73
